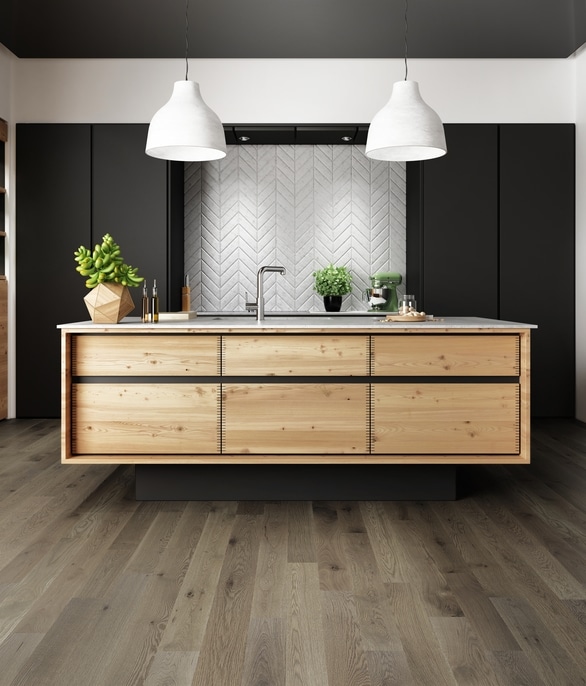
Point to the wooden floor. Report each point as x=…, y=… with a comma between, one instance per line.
x=97, y=589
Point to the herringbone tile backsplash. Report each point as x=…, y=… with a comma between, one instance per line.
x=300, y=207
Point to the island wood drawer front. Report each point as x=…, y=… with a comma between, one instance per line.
x=446, y=355
x=145, y=418
x=145, y=355
x=438, y=418
x=296, y=418
x=291, y=355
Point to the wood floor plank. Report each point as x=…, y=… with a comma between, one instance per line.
x=426, y=557
x=378, y=629
x=478, y=608
x=543, y=562
x=138, y=643
x=524, y=584
x=425, y=657
x=345, y=655
x=453, y=525
x=154, y=543
x=67, y=655
x=389, y=668
x=300, y=539
x=305, y=656
x=513, y=668
x=554, y=524
x=171, y=668
x=393, y=567
x=76, y=562
x=563, y=477
x=31, y=599
x=350, y=517
x=265, y=658
x=552, y=662
x=15, y=651
x=189, y=618
x=269, y=599
x=465, y=653
x=221, y=659
x=56, y=493
x=331, y=562
x=578, y=609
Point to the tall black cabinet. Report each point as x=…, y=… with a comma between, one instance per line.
x=76, y=182
x=491, y=231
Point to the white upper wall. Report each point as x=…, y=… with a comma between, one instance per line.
x=293, y=90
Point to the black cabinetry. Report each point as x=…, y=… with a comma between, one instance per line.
x=76, y=182
x=490, y=232
x=452, y=248
x=53, y=210
x=537, y=254
x=138, y=199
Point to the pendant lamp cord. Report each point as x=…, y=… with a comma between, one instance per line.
x=186, y=38
x=406, y=28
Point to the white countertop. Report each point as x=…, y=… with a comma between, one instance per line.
x=342, y=321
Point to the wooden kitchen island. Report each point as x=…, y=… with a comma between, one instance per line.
x=228, y=400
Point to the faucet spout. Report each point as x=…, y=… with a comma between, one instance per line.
x=259, y=306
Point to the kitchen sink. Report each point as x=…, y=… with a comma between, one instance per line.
x=218, y=316
x=301, y=319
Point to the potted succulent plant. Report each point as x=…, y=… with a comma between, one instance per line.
x=332, y=283
x=109, y=278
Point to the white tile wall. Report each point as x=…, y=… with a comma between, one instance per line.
x=301, y=207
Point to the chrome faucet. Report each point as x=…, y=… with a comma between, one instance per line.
x=258, y=305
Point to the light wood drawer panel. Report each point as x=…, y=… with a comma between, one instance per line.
x=446, y=355
x=158, y=355
x=145, y=418
x=441, y=418
x=292, y=355
x=295, y=418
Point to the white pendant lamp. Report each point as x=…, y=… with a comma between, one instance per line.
x=406, y=129
x=185, y=128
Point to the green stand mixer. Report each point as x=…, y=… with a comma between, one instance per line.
x=382, y=294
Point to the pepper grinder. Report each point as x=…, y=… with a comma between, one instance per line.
x=155, y=303
x=186, y=296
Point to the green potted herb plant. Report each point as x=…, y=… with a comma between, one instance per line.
x=332, y=283
x=109, y=278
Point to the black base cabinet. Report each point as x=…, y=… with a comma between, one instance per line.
x=491, y=231
x=74, y=183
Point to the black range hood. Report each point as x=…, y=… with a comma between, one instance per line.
x=296, y=134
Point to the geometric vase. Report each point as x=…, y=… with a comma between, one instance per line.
x=109, y=302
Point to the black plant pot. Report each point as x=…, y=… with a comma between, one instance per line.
x=332, y=303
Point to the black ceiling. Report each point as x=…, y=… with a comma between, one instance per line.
x=292, y=28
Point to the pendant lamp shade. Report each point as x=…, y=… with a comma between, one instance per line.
x=406, y=129
x=185, y=128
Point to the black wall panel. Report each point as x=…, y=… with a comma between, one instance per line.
x=457, y=231
x=537, y=271
x=53, y=219
x=125, y=204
